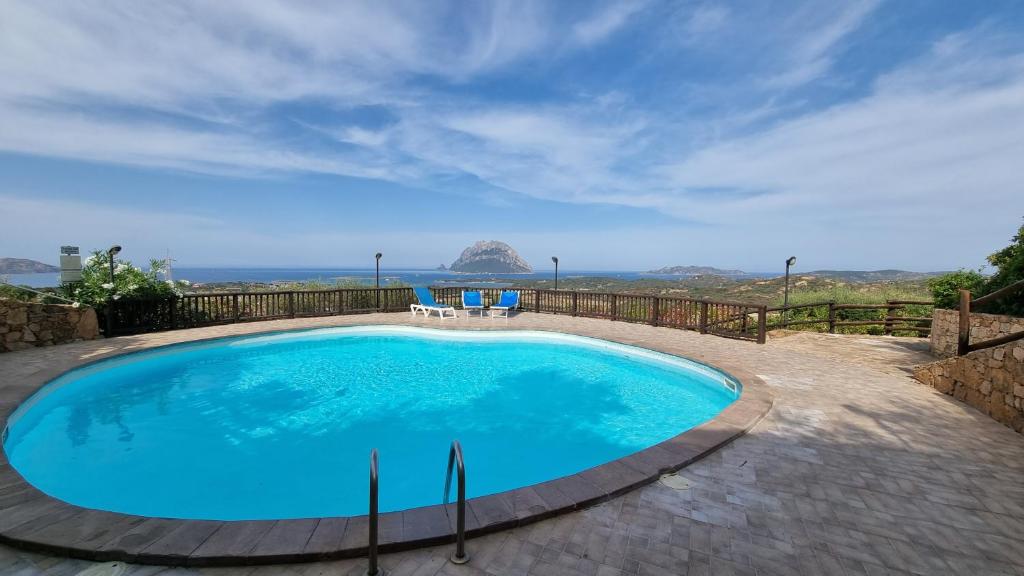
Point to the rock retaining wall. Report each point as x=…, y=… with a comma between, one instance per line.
x=26, y=324
x=991, y=380
x=946, y=325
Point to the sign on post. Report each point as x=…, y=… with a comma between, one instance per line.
x=70, y=264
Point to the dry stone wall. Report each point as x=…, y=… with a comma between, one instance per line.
x=26, y=324
x=991, y=380
x=946, y=325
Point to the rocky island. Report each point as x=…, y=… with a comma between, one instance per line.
x=696, y=271
x=24, y=266
x=490, y=257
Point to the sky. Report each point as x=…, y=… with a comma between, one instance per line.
x=860, y=134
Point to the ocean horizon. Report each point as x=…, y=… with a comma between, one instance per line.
x=413, y=276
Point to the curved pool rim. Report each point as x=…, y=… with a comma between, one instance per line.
x=33, y=520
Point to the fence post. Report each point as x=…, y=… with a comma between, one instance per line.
x=762, y=324
x=291, y=304
x=234, y=306
x=703, y=317
x=889, y=317
x=575, y=303
x=832, y=317
x=964, y=331
x=536, y=300
x=615, y=307
x=655, y=306
x=174, y=312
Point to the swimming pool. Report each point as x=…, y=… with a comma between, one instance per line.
x=280, y=426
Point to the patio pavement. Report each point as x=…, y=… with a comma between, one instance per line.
x=858, y=469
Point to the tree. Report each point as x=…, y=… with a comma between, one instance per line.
x=1009, y=263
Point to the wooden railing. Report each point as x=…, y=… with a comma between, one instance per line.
x=740, y=320
x=964, y=344
x=135, y=316
x=832, y=316
x=728, y=319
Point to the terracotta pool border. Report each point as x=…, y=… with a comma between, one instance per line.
x=32, y=520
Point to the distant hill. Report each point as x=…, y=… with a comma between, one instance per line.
x=490, y=257
x=871, y=275
x=696, y=270
x=24, y=266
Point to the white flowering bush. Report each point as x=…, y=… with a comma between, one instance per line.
x=96, y=288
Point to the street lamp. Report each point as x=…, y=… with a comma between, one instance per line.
x=791, y=261
x=555, y=260
x=377, y=256
x=111, y=252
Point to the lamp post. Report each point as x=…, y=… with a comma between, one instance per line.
x=555, y=260
x=377, y=256
x=111, y=252
x=785, y=298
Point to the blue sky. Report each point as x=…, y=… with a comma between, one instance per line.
x=617, y=135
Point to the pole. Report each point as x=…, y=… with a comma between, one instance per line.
x=110, y=299
x=377, y=283
x=963, y=340
x=785, y=300
x=372, y=569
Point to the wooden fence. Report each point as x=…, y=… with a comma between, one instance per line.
x=891, y=317
x=964, y=344
x=740, y=320
x=134, y=316
x=728, y=319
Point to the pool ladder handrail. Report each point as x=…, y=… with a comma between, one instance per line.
x=455, y=459
x=372, y=569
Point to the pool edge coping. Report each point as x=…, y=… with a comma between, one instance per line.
x=33, y=520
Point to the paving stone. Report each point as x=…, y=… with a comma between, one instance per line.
x=857, y=469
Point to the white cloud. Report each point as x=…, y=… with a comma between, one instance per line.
x=916, y=156
x=819, y=30
x=111, y=81
x=706, y=19
x=606, y=21
x=181, y=55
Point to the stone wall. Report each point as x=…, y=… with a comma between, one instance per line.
x=946, y=325
x=991, y=380
x=26, y=324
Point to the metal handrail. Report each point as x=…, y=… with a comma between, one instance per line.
x=46, y=294
x=455, y=458
x=372, y=569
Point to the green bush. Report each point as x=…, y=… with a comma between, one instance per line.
x=12, y=292
x=946, y=288
x=96, y=289
x=1009, y=263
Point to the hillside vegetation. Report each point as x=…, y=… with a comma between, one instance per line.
x=768, y=291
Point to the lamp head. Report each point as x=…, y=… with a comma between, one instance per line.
x=113, y=250
x=791, y=261
x=378, y=255
x=554, y=259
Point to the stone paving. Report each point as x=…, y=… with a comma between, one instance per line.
x=858, y=469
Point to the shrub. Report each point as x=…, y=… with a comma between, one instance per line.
x=946, y=288
x=96, y=289
x=1010, y=269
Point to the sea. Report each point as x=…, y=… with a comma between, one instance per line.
x=414, y=277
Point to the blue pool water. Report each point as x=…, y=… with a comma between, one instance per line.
x=281, y=426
